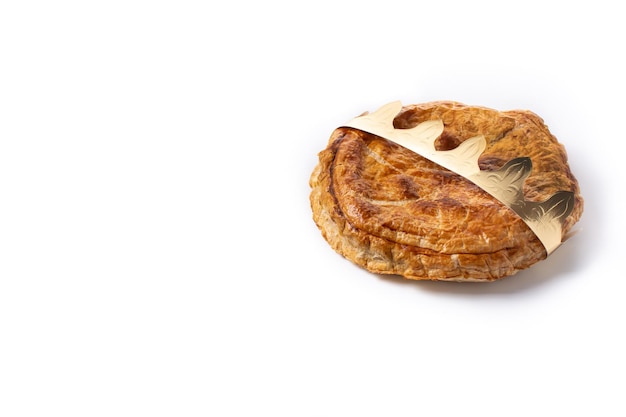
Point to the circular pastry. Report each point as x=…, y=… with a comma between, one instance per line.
x=392, y=211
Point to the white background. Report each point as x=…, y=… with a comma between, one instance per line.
x=157, y=253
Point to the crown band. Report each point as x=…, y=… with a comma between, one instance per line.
x=506, y=184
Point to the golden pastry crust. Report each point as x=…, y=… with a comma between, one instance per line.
x=392, y=211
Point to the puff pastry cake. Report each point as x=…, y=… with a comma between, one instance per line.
x=392, y=211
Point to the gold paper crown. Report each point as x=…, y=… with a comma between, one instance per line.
x=506, y=184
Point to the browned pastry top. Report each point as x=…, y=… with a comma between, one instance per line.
x=393, y=211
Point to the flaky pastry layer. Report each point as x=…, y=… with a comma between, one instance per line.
x=392, y=211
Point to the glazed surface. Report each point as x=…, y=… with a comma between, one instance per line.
x=392, y=211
